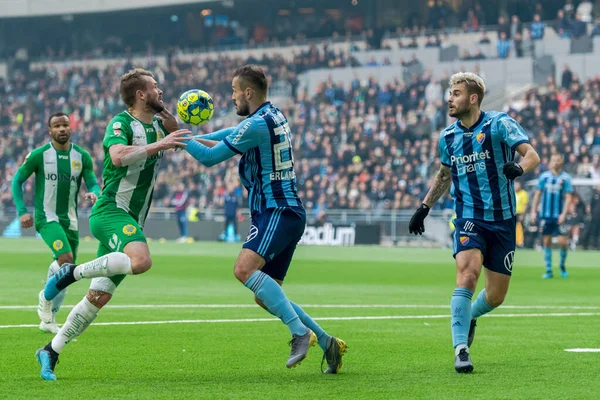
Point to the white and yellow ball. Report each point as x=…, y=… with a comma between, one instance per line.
x=195, y=107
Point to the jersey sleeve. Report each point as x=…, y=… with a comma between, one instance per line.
x=541, y=182
x=247, y=135
x=443, y=148
x=29, y=167
x=512, y=133
x=217, y=135
x=568, y=185
x=88, y=174
x=117, y=132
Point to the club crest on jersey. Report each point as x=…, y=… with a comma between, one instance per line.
x=129, y=229
x=76, y=165
x=464, y=240
x=117, y=125
x=480, y=138
x=57, y=245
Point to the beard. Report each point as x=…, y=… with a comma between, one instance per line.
x=62, y=139
x=458, y=112
x=155, y=105
x=243, y=109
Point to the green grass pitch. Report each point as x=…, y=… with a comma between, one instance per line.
x=188, y=330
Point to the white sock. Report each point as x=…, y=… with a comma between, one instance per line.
x=108, y=265
x=53, y=268
x=460, y=347
x=80, y=317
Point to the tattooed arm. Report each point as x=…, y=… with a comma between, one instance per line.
x=441, y=183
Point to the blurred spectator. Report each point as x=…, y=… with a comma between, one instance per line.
x=537, y=28
x=563, y=25
x=503, y=27
x=596, y=9
x=522, y=199
x=596, y=28
x=180, y=202
x=412, y=44
x=578, y=27
x=566, y=78
x=515, y=26
x=484, y=38
x=432, y=41
x=472, y=22
x=503, y=46
x=584, y=9
x=591, y=235
x=518, y=44
x=569, y=9
x=231, y=202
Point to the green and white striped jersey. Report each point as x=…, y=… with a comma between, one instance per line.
x=58, y=176
x=130, y=187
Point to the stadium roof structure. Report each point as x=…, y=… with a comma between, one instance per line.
x=30, y=8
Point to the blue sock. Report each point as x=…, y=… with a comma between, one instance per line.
x=460, y=306
x=273, y=297
x=563, y=258
x=548, y=259
x=480, y=306
x=312, y=325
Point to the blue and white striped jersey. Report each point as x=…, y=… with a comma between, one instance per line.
x=554, y=189
x=476, y=157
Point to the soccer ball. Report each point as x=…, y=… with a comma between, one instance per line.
x=195, y=107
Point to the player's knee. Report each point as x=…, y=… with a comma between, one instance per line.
x=495, y=299
x=98, y=298
x=65, y=259
x=141, y=263
x=467, y=281
x=242, y=272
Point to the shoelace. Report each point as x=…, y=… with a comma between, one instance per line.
x=463, y=356
x=294, y=343
x=325, y=357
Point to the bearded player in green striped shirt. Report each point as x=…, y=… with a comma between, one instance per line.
x=134, y=144
x=59, y=167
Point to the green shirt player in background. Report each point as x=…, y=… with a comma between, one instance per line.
x=59, y=167
x=134, y=144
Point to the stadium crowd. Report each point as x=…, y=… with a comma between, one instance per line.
x=361, y=146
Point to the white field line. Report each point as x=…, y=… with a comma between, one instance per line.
x=333, y=306
x=583, y=350
x=357, y=318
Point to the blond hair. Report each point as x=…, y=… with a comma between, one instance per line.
x=472, y=82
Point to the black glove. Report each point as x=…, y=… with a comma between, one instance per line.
x=512, y=170
x=416, y=225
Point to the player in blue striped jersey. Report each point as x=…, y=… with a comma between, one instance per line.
x=556, y=193
x=266, y=169
x=477, y=156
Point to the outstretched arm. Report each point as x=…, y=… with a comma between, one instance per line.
x=216, y=135
x=209, y=156
x=239, y=140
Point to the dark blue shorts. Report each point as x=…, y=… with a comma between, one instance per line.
x=550, y=227
x=495, y=240
x=274, y=235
